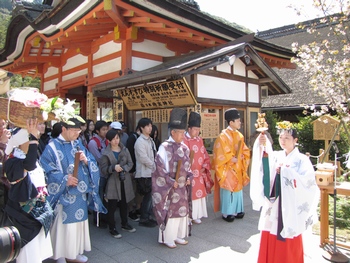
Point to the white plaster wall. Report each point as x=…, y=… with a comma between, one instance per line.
x=252, y=75
x=107, y=67
x=239, y=68
x=75, y=61
x=253, y=93
x=223, y=89
x=141, y=63
x=106, y=49
x=75, y=74
x=50, y=72
x=152, y=47
x=224, y=67
x=50, y=85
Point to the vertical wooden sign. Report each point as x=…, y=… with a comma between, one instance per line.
x=118, y=106
x=91, y=106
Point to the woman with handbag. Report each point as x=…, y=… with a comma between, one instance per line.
x=27, y=207
x=116, y=163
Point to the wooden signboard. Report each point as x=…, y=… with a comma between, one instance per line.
x=210, y=125
x=325, y=127
x=168, y=94
x=118, y=107
x=157, y=116
x=91, y=106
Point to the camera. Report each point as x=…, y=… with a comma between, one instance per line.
x=10, y=243
x=122, y=176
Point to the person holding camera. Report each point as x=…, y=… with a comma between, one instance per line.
x=115, y=164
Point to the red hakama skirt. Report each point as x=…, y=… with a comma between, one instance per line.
x=276, y=251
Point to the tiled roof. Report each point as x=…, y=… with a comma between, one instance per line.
x=296, y=79
x=301, y=94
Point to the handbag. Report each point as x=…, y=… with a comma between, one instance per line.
x=144, y=185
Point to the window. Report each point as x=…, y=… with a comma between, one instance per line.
x=264, y=92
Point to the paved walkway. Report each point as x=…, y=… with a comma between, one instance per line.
x=212, y=241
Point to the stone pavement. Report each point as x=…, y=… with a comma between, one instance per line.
x=212, y=241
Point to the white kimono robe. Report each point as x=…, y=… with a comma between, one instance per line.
x=299, y=191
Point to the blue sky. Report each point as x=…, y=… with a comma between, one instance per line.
x=259, y=15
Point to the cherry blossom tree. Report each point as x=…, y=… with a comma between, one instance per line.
x=326, y=60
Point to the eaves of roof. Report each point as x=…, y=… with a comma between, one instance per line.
x=289, y=108
x=179, y=13
x=23, y=25
x=294, y=28
x=62, y=17
x=191, y=64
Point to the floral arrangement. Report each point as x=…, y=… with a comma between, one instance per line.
x=31, y=97
x=63, y=111
x=284, y=125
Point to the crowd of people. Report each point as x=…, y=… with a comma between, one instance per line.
x=54, y=178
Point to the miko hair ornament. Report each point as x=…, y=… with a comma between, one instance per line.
x=286, y=127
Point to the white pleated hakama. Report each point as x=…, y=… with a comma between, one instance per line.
x=69, y=240
x=199, y=208
x=175, y=228
x=37, y=250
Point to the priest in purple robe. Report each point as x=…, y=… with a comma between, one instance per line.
x=171, y=184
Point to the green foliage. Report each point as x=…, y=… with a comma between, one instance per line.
x=271, y=119
x=306, y=138
x=342, y=211
x=4, y=22
x=6, y=4
x=19, y=81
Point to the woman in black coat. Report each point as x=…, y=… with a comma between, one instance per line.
x=116, y=163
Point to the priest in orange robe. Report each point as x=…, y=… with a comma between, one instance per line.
x=230, y=162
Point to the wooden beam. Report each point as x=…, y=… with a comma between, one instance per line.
x=93, y=21
x=42, y=45
x=95, y=27
x=16, y=68
x=265, y=80
x=128, y=13
x=40, y=59
x=113, y=12
x=252, y=67
x=100, y=14
x=206, y=43
x=182, y=35
x=66, y=84
x=162, y=30
x=152, y=25
x=139, y=19
x=102, y=78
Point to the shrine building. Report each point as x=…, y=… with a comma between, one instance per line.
x=128, y=59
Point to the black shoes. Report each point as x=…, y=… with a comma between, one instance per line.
x=229, y=218
x=128, y=228
x=148, y=223
x=133, y=216
x=240, y=215
x=115, y=233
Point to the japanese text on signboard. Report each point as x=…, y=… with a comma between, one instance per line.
x=167, y=94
